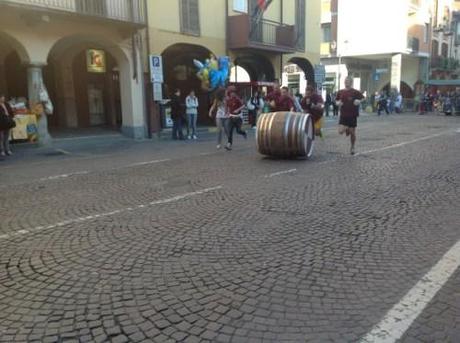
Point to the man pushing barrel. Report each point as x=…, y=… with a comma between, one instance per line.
x=348, y=100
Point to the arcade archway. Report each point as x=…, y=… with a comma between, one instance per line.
x=13, y=70
x=83, y=79
x=257, y=66
x=180, y=72
x=405, y=89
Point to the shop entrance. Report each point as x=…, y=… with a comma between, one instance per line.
x=83, y=83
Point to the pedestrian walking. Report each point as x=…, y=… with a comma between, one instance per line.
x=177, y=114
x=6, y=124
x=335, y=108
x=313, y=104
x=235, y=120
x=191, y=104
x=383, y=104
x=398, y=103
x=349, y=100
x=328, y=103
x=255, y=105
x=219, y=111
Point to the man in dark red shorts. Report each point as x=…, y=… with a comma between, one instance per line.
x=348, y=100
x=313, y=104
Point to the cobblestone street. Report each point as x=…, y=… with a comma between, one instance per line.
x=178, y=242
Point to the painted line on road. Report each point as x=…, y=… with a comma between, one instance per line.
x=399, y=319
x=109, y=214
x=137, y=164
x=283, y=172
x=403, y=143
x=63, y=176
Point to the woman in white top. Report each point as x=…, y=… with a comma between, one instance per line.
x=191, y=104
x=220, y=109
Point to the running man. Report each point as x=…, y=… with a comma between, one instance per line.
x=313, y=104
x=349, y=100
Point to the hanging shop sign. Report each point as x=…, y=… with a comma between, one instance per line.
x=95, y=61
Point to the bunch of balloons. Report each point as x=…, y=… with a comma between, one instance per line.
x=213, y=73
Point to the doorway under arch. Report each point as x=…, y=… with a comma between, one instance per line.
x=83, y=77
x=180, y=73
x=405, y=89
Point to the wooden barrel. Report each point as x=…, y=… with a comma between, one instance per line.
x=285, y=134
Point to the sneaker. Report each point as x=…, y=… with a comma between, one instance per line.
x=219, y=146
x=9, y=153
x=228, y=147
x=352, y=151
x=195, y=137
x=189, y=137
x=245, y=135
x=2, y=154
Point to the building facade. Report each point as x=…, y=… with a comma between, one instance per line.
x=382, y=46
x=445, y=52
x=259, y=50
x=88, y=54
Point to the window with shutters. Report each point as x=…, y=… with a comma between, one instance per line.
x=300, y=24
x=91, y=7
x=190, y=17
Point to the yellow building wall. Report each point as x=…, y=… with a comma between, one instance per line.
x=164, y=25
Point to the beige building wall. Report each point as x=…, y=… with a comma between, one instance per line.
x=164, y=30
x=37, y=39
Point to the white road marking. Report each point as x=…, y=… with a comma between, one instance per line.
x=63, y=176
x=146, y=163
x=403, y=143
x=108, y=214
x=399, y=319
x=283, y=172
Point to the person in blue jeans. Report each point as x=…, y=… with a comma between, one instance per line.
x=191, y=104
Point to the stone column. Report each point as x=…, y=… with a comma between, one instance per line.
x=35, y=82
x=396, y=64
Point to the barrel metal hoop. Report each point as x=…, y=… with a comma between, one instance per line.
x=287, y=123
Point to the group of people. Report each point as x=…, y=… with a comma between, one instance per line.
x=447, y=102
x=387, y=102
x=184, y=113
x=227, y=110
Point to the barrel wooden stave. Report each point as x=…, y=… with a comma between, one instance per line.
x=285, y=134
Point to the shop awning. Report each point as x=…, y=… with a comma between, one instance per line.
x=444, y=82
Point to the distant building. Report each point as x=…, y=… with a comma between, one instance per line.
x=382, y=45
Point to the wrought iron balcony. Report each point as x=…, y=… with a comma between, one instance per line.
x=245, y=32
x=128, y=11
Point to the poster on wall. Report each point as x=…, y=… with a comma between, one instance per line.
x=95, y=61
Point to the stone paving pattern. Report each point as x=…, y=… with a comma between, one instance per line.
x=319, y=255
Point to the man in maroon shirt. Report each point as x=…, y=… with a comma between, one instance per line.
x=348, y=100
x=284, y=103
x=313, y=104
x=273, y=97
x=234, y=108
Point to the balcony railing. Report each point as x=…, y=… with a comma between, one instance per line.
x=245, y=32
x=130, y=11
x=444, y=63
